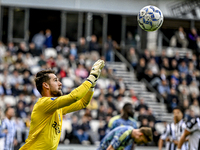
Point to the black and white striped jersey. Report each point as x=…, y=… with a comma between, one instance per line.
x=174, y=132
x=193, y=126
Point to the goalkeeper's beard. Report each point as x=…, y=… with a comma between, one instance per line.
x=56, y=93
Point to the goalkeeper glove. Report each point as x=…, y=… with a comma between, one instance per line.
x=96, y=71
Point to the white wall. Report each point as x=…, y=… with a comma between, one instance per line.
x=130, y=7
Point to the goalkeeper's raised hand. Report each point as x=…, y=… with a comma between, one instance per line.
x=96, y=71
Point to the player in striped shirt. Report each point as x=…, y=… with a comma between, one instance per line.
x=193, y=132
x=123, y=136
x=174, y=131
x=46, y=117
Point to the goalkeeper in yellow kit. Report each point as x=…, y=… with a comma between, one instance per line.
x=46, y=117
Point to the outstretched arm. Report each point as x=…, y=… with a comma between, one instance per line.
x=82, y=103
x=52, y=104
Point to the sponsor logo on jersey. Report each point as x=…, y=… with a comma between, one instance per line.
x=56, y=127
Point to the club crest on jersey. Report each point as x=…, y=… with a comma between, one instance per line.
x=53, y=98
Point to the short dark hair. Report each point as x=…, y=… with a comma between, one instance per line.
x=42, y=76
x=179, y=108
x=126, y=105
x=147, y=132
x=7, y=108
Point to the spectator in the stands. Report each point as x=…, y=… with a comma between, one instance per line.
x=39, y=39
x=193, y=88
x=109, y=49
x=183, y=86
x=165, y=64
x=110, y=101
x=101, y=114
x=172, y=100
x=181, y=37
x=93, y=44
x=130, y=39
x=162, y=75
x=173, y=84
x=33, y=50
x=61, y=61
x=191, y=67
x=182, y=67
x=193, y=35
x=174, y=65
x=73, y=50
x=81, y=71
x=133, y=97
x=195, y=107
x=161, y=57
x=150, y=116
x=146, y=55
x=51, y=62
x=20, y=110
x=140, y=70
x=82, y=46
x=193, y=76
x=29, y=60
x=132, y=57
x=11, y=48
x=149, y=76
x=7, y=59
x=153, y=66
x=141, y=104
x=185, y=105
x=63, y=46
x=142, y=115
x=79, y=130
x=144, y=122
x=22, y=48
x=102, y=101
x=42, y=61
x=163, y=88
x=48, y=42
x=72, y=62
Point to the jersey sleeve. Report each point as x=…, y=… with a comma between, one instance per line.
x=119, y=138
x=3, y=125
x=82, y=103
x=53, y=103
x=134, y=124
x=193, y=125
x=112, y=120
x=166, y=133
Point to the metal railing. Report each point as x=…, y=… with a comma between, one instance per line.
x=152, y=89
x=130, y=67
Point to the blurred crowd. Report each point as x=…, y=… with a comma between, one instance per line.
x=72, y=61
x=175, y=78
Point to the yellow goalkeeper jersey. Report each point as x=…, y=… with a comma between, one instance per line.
x=46, y=117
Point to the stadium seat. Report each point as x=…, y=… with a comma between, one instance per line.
x=67, y=82
x=94, y=125
x=160, y=127
x=50, y=52
x=8, y=99
x=35, y=69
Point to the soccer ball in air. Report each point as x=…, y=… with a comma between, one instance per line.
x=150, y=18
